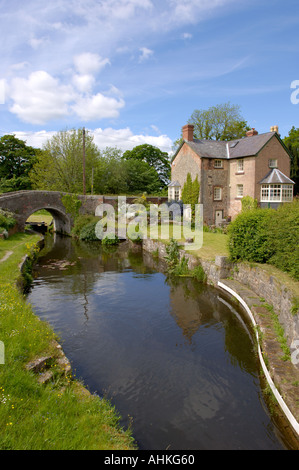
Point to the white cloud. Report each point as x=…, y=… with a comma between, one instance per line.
x=126, y=140
x=186, y=35
x=145, y=53
x=84, y=83
x=89, y=63
x=123, y=139
x=39, y=98
x=96, y=107
x=35, y=43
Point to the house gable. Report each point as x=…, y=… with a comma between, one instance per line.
x=186, y=161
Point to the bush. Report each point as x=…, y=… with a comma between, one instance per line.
x=284, y=238
x=110, y=241
x=88, y=232
x=7, y=219
x=249, y=236
x=267, y=236
x=81, y=221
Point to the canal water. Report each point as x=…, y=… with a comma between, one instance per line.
x=175, y=357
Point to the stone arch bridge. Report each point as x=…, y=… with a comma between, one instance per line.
x=25, y=203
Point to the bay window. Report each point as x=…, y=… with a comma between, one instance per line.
x=276, y=193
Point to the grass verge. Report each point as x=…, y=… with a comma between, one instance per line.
x=58, y=415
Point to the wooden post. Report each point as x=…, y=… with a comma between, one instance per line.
x=84, y=185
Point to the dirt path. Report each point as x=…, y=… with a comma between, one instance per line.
x=6, y=256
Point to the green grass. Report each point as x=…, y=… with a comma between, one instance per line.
x=41, y=216
x=53, y=416
x=213, y=243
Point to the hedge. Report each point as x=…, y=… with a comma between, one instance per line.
x=267, y=236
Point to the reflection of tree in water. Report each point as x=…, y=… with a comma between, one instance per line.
x=195, y=305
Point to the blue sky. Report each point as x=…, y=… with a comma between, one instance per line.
x=133, y=71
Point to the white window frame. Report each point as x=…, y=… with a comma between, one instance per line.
x=176, y=191
x=240, y=191
x=218, y=163
x=272, y=162
x=240, y=166
x=217, y=193
x=277, y=193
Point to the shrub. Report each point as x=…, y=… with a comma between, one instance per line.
x=110, y=241
x=249, y=236
x=268, y=236
x=81, y=221
x=88, y=233
x=7, y=219
x=199, y=274
x=248, y=203
x=284, y=238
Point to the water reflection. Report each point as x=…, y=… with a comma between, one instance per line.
x=173, y=355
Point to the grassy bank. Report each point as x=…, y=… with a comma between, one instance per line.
x=59, y=414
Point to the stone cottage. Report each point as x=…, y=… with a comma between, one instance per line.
x=257, y=165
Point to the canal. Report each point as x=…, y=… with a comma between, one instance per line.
x=174, y=356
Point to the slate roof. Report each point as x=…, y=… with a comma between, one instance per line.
x=275, y=176
x=245, y=147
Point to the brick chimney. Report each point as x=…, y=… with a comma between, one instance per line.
x=274, y=129
x=251, y=132
x=188, y=132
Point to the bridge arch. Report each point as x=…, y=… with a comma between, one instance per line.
x=25, y=203
x=61, y=221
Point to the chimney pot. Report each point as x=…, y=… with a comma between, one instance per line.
x=188, y=132
x=251, y=132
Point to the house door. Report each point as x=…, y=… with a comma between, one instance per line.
x=218, y=217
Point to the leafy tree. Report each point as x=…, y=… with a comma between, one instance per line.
x=141, y=177
x=220, y=122
x=248, y=203
x=292, y=143
x=110, y=174
x=59, y=166
x=116, y=175
x=190, y=191
x=16, y=161
x=154, y=157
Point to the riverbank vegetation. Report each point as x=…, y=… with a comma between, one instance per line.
x=59, y=414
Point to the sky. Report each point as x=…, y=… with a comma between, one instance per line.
x=133, y=71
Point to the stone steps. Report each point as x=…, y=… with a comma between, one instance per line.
x=46, y=367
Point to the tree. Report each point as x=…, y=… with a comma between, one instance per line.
x=110, y=174
x=16, y=161
x=59, y=166
x=116, y=175
x=154, y=157
x=190, y=191
x=292, y=143
x=220, y=122
x=141, y=177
